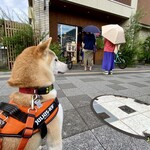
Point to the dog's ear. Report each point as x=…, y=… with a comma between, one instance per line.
x=43, y=46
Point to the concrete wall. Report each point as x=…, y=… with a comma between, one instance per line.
x=144, y=6
x=41, y=16
x=110, y=6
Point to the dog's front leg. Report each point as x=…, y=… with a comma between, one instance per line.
x=54, y=136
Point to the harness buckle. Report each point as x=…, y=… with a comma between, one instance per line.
x=32, y=109
x=3, y=121
x=6, y=117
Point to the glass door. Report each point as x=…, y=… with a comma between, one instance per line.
x=66, y=33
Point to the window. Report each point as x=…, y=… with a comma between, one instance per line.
x=66, y=33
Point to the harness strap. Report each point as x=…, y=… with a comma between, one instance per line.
x=28, y=131
x=1, y=141
x=13, y=110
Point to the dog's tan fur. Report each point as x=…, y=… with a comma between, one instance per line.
x=33, y=68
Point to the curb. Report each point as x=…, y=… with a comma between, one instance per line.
x=101, y=73
x=81, y=72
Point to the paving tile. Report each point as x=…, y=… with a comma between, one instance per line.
x=138, y=123
x=56, y=86
x=60, y=94
x=93, y=95
x=147, y=114
x=114, y=140
x=7, y=90
x=137, y=84
x=120, y=125
x=91, y=79
x=73, y=123
x=67, y=86
x=61, y=81
x=124, y=77
x=105, y=88
x=72, y=92
x=97, y=85
x=139, y=144
x=80, y=100
x=129, y=86
x=89, y=117
x=59, y=77
x=144, y=98
x=116, y=87
x=88, y=89
x=2, y=84
x=148, y=81
x=4, y=78
x=115, y=81
x=143, y=90
x=131, y=93
x=82, y=141
x=65, y=103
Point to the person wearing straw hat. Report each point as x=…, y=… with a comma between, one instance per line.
x=109, y=56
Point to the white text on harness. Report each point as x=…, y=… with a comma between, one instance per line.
x=44, y=115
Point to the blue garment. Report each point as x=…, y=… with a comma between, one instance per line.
x=89, y=41
x=108, y=61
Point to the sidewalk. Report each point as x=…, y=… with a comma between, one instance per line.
x=79, y=70
x=82, y=129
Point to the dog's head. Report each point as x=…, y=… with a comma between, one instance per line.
x=35, y=67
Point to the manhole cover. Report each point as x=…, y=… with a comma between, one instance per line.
x=126, y=114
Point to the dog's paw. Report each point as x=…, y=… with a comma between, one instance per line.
x=40, y=148
x=44, y=147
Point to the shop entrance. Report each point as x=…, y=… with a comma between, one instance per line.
x=69, y=34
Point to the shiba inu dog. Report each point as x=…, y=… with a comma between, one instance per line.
x=33, y=74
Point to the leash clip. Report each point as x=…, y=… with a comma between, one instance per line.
x=34, y=97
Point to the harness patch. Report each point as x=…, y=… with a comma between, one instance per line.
x=44, y=115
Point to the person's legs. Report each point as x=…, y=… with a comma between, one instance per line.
x=85, y=59
x=108, y=62
x=104, y=63
x=90, y=59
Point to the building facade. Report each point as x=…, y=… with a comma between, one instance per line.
x=65, y=19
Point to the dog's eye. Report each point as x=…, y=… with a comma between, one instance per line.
x=56, y=59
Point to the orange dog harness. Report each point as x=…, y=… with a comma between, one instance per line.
x=23, y=122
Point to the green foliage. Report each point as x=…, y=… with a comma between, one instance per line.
x=20, y=40
x=1, y=31
x=99, y=42
x=56, y=48
x=130, y=48
x=144, y=52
